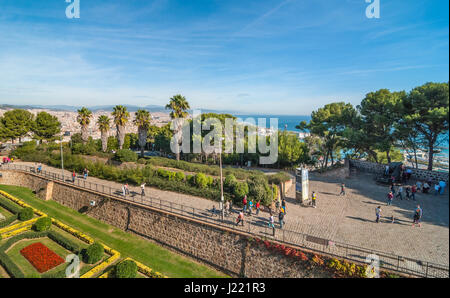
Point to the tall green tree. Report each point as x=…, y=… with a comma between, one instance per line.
x=142, y=121
x=121, y=116
x=84, y=118
x=291, y=151
x=46, y=126
x=380, y=111
x=329, y=123
x=16, y=123
x=178, y=106
x=103, y=123
x=427, y=108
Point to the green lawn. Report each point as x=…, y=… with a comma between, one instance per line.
x=129, y=245
x=25, y=266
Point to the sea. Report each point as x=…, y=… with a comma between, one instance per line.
x=289, y=122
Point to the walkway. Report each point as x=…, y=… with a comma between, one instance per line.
x=348, y=220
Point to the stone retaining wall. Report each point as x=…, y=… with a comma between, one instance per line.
x=417, y=174
x=225, y=249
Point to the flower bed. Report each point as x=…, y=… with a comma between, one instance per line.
x=41, y=257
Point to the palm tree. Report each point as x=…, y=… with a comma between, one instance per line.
x=84, y=118
x=103, y=125
x=121, y=115
x=179, y=106
x=142, y=121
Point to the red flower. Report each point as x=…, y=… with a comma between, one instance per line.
x=41, y=257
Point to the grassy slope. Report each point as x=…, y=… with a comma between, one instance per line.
x=152, y=255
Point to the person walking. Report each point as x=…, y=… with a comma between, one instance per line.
x=283, y=205
x=417, y=216
x=85, y=174
x=342, y=193
x=143, y=189
x=39, y=168
x=271, y=222
x=419, y=186
x=378, y=214
x=390, y=196
x=436, y=189
x=313, y=199
x=240, y=218
x=213, y=211
x=281, y=218
x=392, y=189
x=250, y=206
x=124, y=192
x=127, y=190
x=426, y=187
x=257, y=207
x=244, y=202
x=408, y=190
x=74, y=175
x=227, y=208
x=400, y=193
x=413, y=192
x=386, y=170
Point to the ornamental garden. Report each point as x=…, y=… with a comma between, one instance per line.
x=33, y=244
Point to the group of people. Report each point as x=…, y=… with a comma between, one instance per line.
x=416, y=218
x=280, y=207
x=7, y=160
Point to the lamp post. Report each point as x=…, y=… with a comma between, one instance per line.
x=222, y=201
x=62, y=158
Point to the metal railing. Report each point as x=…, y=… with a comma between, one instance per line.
x=257, y=227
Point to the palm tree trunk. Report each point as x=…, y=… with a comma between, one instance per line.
x=104, y=141
x=84, y=134
x=120, y=135
x=142, y=139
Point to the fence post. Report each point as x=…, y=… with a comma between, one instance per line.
x=426, y=272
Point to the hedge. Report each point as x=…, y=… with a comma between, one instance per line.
x=42, y=224
x=64, y=242
x=8, y=221
x=94, y=253
x=26, y=214
x=11, y=268
x=126, y=269
x=8, y=205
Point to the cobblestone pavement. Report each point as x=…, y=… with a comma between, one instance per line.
x=346, y=219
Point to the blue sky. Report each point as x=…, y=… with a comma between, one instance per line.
x=255, y=56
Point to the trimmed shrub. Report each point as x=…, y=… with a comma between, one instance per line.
x=64, y=242
x=179, y=176
x=201, y=180
x=125, y=155
x=240, y=190
x=42, y=224
x=126, y=269
x=26, y=214
x=94, y=253
x=230, y=182
x=10, y=206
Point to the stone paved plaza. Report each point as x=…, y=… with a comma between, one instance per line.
x=348, y=220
